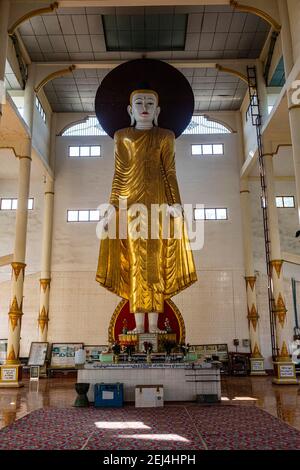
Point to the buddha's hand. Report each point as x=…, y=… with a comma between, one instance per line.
x=175, y=211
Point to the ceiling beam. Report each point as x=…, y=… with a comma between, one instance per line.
x=139, y=3
x=6, y=260
x=31, y=14
x=178, y=63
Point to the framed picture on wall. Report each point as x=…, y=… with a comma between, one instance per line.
x=93, y=352
x=63, y=355
x=3, y=350
x=38, y=354
x=209, y=350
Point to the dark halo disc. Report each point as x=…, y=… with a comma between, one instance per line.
x=176, y=97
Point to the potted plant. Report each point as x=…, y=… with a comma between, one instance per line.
x=168, y=346
x=184, y=348
x=129, y=350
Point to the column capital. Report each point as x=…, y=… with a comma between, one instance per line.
x=17, y=267
x=294, y=106
x=277, y=265
x=44, y=283
x=23, y=156
x=250, y=280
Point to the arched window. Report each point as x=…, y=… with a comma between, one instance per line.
x=198, y=125
x=88, y=127
x=203, y=125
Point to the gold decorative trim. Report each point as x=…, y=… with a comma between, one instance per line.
x=232, y=72
x=31, y=14
x=14, y=307
x=24, y=156
x=120, y=306
x=245, y=191
x=294, y=106
x=49, y=192
x=17, y=268
x=262, y=14
x=179, y=319
x=43, y=319
x=52, y=76
x=11, y=355
x=253, y=316
x=113, y=320
x=44, y=283
x=284, y=353
x=15, y=313
x=280, y=310
x=256, y=352
x=14, y=151
x=277, y=264
x=250, y=280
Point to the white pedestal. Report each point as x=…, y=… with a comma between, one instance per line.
x=285, y=373
x=180, y=383
x=257, y=366
x=10, y=376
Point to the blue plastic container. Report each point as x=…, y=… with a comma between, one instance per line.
x=109, y=395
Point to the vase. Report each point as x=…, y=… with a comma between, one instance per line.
x=116, y=358
x=82, y=399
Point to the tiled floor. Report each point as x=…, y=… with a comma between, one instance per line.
x=281, y=401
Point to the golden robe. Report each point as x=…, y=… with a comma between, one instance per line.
x=145, y=271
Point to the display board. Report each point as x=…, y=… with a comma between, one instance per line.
x=210, y=350
x=63, y=355
x=93, y=352
x=38, y=354
x=3, y=350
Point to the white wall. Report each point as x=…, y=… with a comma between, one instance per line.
x=214, y=308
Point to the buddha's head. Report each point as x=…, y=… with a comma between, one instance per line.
x=143, y=108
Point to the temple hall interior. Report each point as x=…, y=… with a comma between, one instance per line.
x=214, y=343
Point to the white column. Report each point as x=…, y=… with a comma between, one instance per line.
x=286, y=37
x=262, y=90
x=257, y=361
x=46, y=260
x=4, y=18
x=29, y=96
x=283, y=364
x=18, y=264
x=294, y=117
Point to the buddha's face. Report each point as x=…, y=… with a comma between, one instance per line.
x=144, y=109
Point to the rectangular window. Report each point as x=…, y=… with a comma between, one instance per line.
x=210, y=214
x=12, y=204
x=85, y=151
x=40, y=108
x=285, y=202
x=87, y=215
x=207, y=149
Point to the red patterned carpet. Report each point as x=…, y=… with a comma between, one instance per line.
x=172, y=427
